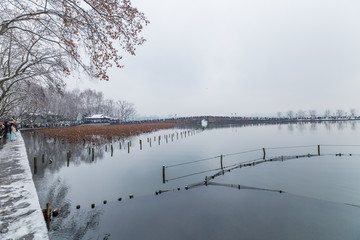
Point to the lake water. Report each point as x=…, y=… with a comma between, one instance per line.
x=295, y=194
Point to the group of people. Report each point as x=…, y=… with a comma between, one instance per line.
x=8, y=131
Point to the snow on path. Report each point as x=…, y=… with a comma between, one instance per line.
x=20, y=213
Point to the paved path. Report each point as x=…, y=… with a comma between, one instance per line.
x=20, y=213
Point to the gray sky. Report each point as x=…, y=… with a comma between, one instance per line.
x=210, y=57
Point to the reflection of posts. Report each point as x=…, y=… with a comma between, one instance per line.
x=264, y=153
x=35, y=165
x=163, y=173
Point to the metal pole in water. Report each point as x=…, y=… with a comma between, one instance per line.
x=264, y=153
x=163, y=173
x=221, y=162
x=319, y=150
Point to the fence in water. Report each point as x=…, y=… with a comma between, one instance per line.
x=263, y=156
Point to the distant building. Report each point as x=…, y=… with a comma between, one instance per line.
x=99, y=118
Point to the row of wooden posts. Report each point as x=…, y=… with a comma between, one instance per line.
x=221, y=162
x=149, y=140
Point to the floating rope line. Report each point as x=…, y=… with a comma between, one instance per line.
x=305, y=146
x=232, y=154
x=238, y=153
x=329, y=145
x=192, y=174
x=185, y=163
x=240, y=165
x=238, y=186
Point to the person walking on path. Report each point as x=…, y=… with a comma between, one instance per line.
x=6, y=130
x=12, y=132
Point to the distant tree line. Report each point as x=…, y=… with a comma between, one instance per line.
x=312, y=114
x=69, y=105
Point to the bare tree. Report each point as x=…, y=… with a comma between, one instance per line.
x=312, y=114
x=42, y=41
x=301, y=114
x=339, y=113
x=353, y=112
x=327, y=113
x=125, y=110
x=290, y=114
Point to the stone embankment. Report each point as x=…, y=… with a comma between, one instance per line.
x=20, y=213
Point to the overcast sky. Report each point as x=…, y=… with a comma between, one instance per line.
x=210, y=57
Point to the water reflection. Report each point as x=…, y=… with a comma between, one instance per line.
x=134, y=166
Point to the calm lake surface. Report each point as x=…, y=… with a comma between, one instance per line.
x=295, y=194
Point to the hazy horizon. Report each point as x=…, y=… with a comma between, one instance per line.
x=244, y=57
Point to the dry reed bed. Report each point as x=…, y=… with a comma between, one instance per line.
x=97, y=134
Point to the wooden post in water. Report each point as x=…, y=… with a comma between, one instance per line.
x=89, y=150
x=105, y=148
x=93, y=155
x=159, y=139
x=128, y=147
x=48, y=216
x=264, y=153
x=150, y=142
x=48, y=211
x=43, y=158
x=35, y=165
x=120, y=145
x=68, y=159
x=163, y=173
x=221, y=162
x=140, y=144
x=112, y=150
x=319, y=150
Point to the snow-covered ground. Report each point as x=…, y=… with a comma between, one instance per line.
x=20, y=213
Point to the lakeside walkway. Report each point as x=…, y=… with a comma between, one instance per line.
x=20, y=213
